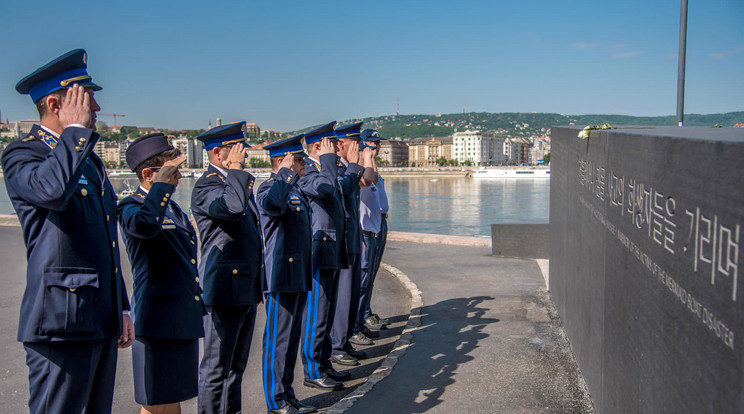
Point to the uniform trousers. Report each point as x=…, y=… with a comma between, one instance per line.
x=369, y=256
x=381, y=241
x=316, y=324
x=71, y=376
x=228, y=331
x=281, y=342
x=347, y=305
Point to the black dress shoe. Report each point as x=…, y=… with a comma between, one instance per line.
x=303, y=408
x=287, y=409
x=345, y=359
x=360, y=339
x=324, y=383
x=356, y=354
x=337, y=375
x=370, y=333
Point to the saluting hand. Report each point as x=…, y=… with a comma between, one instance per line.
x=235, y=157
x=326, y=147
x=75, y=109
x=169, y=173
x=352, y=152
x=286, y=161
x=368, y=155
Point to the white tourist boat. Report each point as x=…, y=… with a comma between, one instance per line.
x=511, y=173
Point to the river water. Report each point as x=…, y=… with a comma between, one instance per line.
x=427, y=204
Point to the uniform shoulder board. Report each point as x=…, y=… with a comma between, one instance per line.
x=28, y=139
x=211, y=175
x=140, y=195
x=270, y=180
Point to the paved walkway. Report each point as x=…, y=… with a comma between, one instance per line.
x=483, y=337
x=391, y=298
x=489, y=339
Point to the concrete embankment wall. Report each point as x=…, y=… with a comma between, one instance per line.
x=645, y=243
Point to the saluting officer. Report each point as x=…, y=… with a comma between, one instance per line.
x=230, y=267
x=71, y=312
x=350, y=177
x=371, y=222
x=321, y=187
x=168, y=309
x=285, y=220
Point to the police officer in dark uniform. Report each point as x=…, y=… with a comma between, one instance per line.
x=71, y=312
x=285, y=220
x=230, y=268
x=321, y=187
x=349, y=281
x=168, y=308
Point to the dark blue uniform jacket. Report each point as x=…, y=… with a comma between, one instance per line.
x=348, y=180
x=285, y=221
x=162, y=248
x=320, y=186
x=67, y=209
x=231, y=244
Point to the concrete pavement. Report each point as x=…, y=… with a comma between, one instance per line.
x=489, y=339
x=483, y=337
x=390, y=298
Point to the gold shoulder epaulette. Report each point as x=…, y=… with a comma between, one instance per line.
x=270, y=180
x=31, y=138
x=211, y=174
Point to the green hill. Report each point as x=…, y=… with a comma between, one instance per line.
x=516, y=124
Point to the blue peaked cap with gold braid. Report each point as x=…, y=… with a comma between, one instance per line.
x=58, y=74
x=224, y=135
x=321, y=132
x=285, y=146
x=350, y=131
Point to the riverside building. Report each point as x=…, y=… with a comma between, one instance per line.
x=479, y=148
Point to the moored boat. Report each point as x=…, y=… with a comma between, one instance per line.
x=511, y=173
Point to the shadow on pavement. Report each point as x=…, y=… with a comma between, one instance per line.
x=450, y=331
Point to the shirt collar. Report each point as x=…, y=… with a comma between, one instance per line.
x=223, y=171
x=56, y=135
x=346, y=163
x=145, y=190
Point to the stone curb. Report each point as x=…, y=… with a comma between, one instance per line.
x=439, y=239
x=399, y=348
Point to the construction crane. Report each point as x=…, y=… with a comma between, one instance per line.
x=114, y=115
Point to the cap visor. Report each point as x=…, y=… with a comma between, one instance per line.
x=91, y=85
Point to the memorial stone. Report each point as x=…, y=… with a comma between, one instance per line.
x=645, y=243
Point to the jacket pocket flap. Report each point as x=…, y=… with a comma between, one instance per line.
x=291, y=258
x=234, y=268
x=70, y=277
x=325, y=236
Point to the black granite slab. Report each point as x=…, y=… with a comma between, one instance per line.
x=646, y=239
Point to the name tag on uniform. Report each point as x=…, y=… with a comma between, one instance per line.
x=294, y=200
x=82, y=180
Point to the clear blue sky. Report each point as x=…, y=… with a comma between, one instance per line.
x=292, y=64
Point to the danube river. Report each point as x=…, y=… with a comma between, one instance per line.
x=428, y=204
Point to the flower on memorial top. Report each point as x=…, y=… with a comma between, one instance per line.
x=584, y=134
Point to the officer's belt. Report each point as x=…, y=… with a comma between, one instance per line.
x=369, y=233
